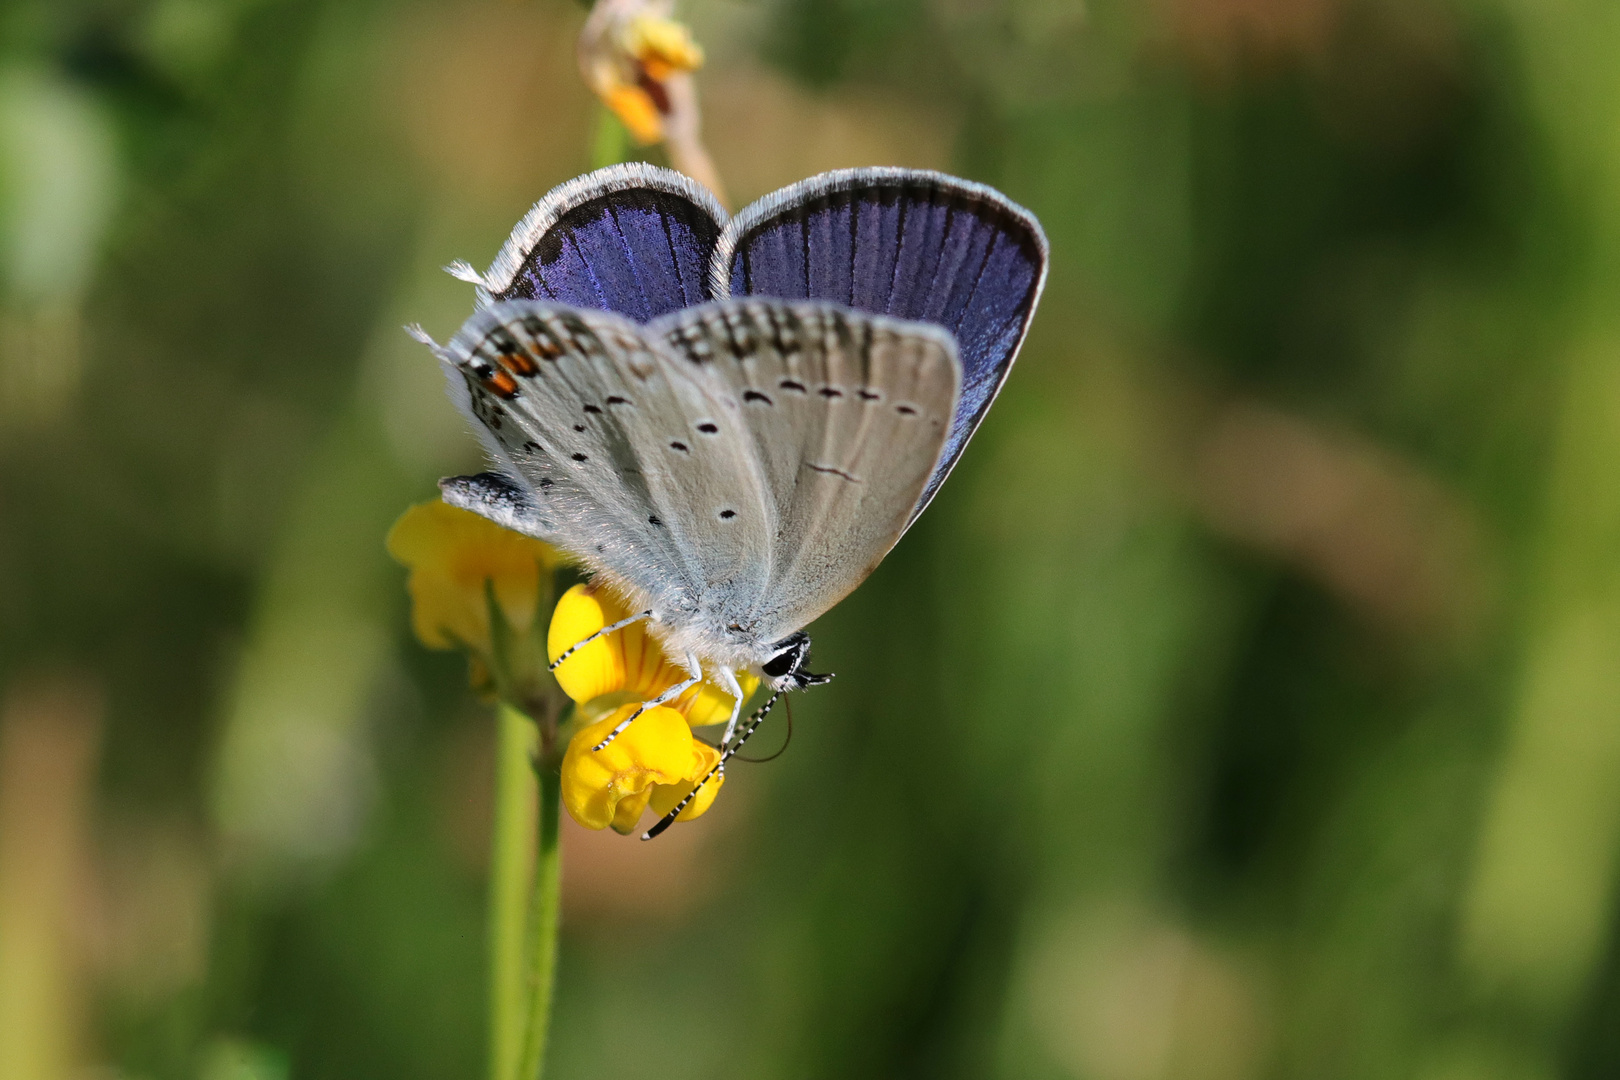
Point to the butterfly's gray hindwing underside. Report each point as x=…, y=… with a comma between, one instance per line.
x=737, y=467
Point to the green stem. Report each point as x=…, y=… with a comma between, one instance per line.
x=611, y=143
x=510, y=865
x=543, y=919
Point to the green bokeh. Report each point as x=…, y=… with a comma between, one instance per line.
x=1246, y=706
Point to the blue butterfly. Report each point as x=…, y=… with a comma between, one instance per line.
x=731, y=422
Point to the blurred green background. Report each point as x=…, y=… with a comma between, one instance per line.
x=1247, y=706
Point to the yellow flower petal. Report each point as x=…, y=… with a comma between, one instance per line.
x=626, y=661
x=706, y=703
x=451, y=553
x=611, y=786
x=656, y=40
x=637, y=111
x=629, y=811
x=665, y=797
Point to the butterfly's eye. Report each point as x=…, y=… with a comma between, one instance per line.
x=789, y=656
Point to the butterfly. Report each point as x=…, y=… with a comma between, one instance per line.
x=730, y=422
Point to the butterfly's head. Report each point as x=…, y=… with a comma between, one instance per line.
x=785, y=669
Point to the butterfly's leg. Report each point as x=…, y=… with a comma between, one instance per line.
x=580, y=644
x=692, y=665
x=728, y=682
x=719, y=767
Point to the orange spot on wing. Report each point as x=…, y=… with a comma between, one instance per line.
x=502, y=383
x=520, y=363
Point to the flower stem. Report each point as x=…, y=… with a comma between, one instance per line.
x=543, y=919
x=508, y=890
x=611, y=143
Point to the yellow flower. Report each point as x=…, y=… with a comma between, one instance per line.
x=654, y=760
x=629, y=52
x=451, y=553
x=661, y=45
x=627, y=662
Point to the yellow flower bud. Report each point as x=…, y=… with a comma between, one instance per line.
x=451, y=553
x=654, y=759
x=632, y=54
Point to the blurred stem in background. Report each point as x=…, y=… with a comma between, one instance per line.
x=59, y=180
x=1540, y=911
x=50, y=735
x=611, y=142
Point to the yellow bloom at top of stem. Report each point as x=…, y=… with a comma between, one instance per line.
x=661, y=44
x=627, y=661
x=653, y=761
x=629, y=50
x=451, y=553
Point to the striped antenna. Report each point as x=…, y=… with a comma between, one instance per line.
x=753, y=722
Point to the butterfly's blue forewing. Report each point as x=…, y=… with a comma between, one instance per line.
x=633, y=239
